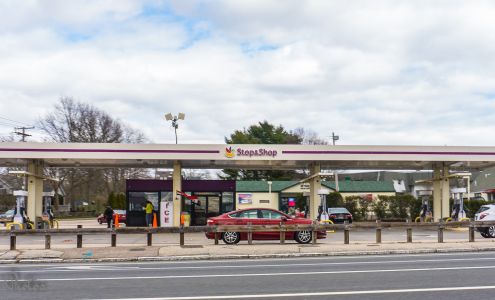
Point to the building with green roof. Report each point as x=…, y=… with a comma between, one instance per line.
x=282, y=195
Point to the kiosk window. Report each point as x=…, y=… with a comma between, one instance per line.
x=167, y=196
x=227, y=202
x=137, y=200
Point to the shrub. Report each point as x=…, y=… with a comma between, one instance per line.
x=335, y=199
x=380, y=209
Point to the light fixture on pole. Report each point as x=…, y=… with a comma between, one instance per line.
x=175, y=121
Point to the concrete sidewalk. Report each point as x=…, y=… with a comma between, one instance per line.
x=193, y=252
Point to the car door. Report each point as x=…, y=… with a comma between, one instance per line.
x=272, y=217
x=248, y=216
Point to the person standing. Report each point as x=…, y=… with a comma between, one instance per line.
x=149, y=213
x=108, y=216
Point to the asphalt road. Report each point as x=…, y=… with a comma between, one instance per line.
x=433, y=276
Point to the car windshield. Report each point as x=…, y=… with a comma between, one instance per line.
x=483, y=208
x=119, y=211
x=338, y=210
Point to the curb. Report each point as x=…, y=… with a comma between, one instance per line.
x=242, y=256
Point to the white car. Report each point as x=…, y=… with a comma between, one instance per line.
x=486, y=213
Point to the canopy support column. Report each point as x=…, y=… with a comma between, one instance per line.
x=177, y=186
x=441, y=192
x=314, y=186
x=34, y=205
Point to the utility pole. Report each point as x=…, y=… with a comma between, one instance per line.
x=23, y=133
x=335, y=174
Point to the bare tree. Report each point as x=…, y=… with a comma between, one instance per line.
x=309, y=137
x=77, y=122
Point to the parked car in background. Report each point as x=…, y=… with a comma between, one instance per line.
x=486, y=213
x=338, y=215
x=7, y=216
x=119, y=212
x=261, y=216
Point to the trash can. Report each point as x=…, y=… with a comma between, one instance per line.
x=185, y=218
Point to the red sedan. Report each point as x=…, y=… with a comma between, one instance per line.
x=261, y=216
x=119, y=212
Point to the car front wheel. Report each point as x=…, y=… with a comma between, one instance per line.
x=231, y=238
x=303, y=237
x=490, y=231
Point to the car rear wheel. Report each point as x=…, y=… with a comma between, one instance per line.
x=485, y=234
x=303, y=237
x=231, y=237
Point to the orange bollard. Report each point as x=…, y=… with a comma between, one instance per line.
x=116, y=221
x=182, y=218
x=155, y=222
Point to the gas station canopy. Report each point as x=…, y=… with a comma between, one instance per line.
x=259, y=156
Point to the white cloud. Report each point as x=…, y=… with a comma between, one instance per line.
x=375, y=72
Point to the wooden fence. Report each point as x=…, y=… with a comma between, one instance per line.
x=250, y=229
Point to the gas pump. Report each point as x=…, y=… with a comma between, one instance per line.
x=322, y=209
x=20, y=217
x=47, y=215
x=425, y=213
x=458, y=213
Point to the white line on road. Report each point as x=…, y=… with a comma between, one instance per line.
x=216, y=261
x=444, y=289
x=83, y=268
x=251, y=274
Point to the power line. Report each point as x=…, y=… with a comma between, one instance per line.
x=6, y=124
x=14, y=121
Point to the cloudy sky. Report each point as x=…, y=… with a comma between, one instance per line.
x=375, y=72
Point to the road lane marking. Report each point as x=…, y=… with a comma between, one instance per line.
x=213, y=260
x=251, y=274
x=83, y=268
x=316, y=294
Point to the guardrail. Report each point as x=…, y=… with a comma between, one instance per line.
x=250, y=229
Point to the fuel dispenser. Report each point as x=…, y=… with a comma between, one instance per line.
x=425, y=214
x=458, y=212
x=20, y=220
x=47, y=215
x=322, y=209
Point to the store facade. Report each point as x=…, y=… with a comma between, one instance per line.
x=215, y=197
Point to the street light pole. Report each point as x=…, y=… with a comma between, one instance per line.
x=336, y=175
x=175, y=121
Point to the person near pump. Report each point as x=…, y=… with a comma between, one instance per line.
x=149, y=213
x=108, y=213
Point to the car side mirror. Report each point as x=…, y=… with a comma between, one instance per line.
x=284, y=219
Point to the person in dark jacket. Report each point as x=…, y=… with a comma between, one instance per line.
x=109, y=216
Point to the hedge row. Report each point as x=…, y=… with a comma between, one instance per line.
x=398, y=207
